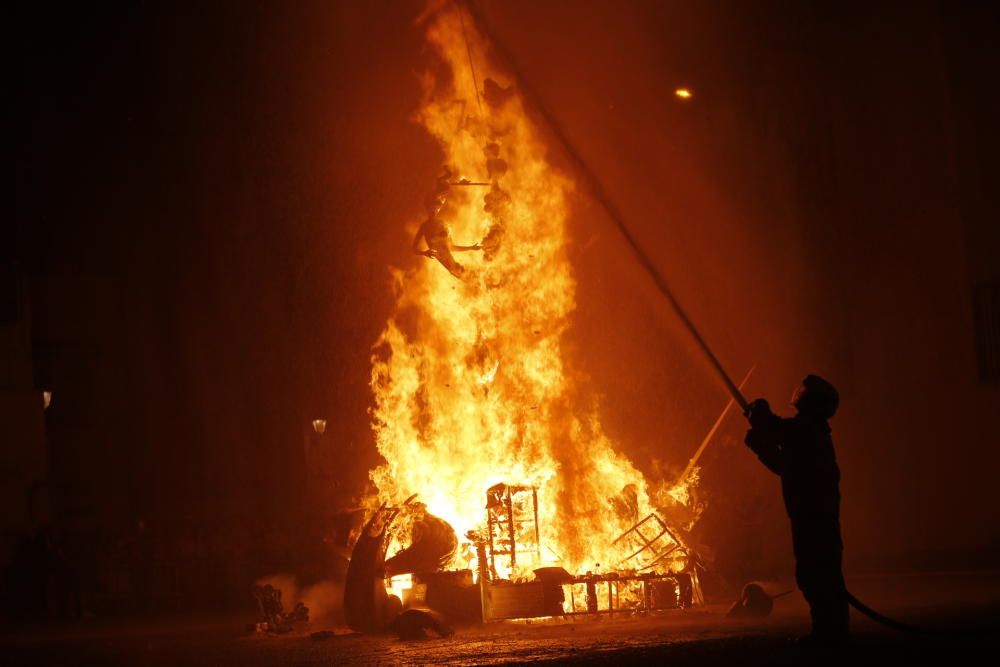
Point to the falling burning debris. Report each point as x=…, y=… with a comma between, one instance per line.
x=476, y=412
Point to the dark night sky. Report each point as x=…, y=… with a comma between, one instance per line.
x=208, y=198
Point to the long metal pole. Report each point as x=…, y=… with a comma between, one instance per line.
x=600, y=194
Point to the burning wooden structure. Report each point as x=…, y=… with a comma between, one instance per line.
x=474, y=396
x=375, y=593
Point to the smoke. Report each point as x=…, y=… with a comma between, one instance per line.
x=324, y=599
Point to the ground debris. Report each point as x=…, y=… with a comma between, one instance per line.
x=273, y=618
x=413, y=624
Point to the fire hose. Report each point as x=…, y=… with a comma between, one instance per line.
x=598, y=192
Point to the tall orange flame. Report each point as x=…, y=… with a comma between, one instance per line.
x=470, y=379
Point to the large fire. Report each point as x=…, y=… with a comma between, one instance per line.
x=470, y=375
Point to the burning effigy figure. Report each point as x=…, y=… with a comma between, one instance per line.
x=496, y=203
x=800, y=451
x=432, y=544
x=367, y=605
x=434, y=233
x=496, y=97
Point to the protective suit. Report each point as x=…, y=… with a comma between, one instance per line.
x=800, y=451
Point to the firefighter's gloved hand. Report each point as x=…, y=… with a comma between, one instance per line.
x=759, y=412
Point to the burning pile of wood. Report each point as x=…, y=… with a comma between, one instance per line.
x=378, y=590
x=473, y=394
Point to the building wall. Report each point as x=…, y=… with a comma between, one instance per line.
x=23, y=447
